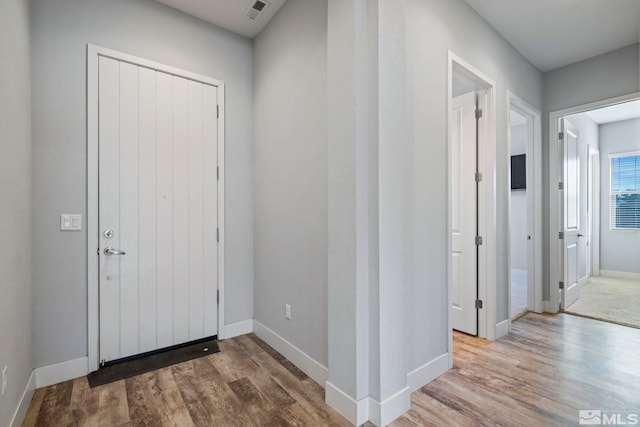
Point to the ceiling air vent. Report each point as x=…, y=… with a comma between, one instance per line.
x=256, y=9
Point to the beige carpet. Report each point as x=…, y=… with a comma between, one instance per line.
x=616, y=300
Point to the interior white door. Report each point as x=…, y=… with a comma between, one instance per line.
x=464, y=214
x=571, y=216
x=158, y=209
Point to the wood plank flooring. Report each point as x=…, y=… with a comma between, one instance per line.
x=547, y=369
x=542, y=374
x=246, y=384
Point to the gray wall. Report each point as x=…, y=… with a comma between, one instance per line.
x=434, y=27
x=60, y=31
x=15, y=210
x=618, y=249
x=605, y=76
x=290, y=170
x=519, y=205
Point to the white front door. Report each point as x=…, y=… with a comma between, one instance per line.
x=571, y=214
x=158, y=209
x=464, y=214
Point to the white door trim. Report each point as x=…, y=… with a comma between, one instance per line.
x=593, y=181
x=93, y=54
x=555, y=272
x=486, y=203
x=534, y=156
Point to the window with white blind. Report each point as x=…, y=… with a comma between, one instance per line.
x=625, y=191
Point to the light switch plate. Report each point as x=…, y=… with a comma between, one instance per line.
x=70, y=222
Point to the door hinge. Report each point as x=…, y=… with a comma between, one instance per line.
x=561, y=186
x=561, y=135
x=478, y=304
x=218, y=296
x=98, y=251
x=217, y=234
x=561, y=235
x=478, y=176
x=478, y=113
x=561, y=285
x=478, y=240
x=218, y=111
x=218, y=173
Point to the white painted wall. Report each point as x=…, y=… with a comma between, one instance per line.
x=588, y=136
x=290, y=175
x=618, y=249
x=519, y=205
x=352, y=198
x=60, y=31
x=16, y=350
x=605, y=76
x=434, y=27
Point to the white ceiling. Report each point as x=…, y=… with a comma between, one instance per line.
x=615, y=113
x=555, y=33
x=228, y=14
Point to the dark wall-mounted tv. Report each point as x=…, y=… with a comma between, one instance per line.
x=519, y=172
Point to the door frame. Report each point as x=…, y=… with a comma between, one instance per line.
x=486, y=202
x=94, y=52
x=593, y=214
x=534, y=192
x=555, y=266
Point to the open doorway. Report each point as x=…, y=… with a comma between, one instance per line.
x=525, y=290
x=519, y=137
x=471, y=201
x=598, y=160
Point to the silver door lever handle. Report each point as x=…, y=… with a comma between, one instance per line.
x=110, y=251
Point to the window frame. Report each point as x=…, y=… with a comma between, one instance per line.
x=612, y=194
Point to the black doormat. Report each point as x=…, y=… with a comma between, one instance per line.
x=140, y=364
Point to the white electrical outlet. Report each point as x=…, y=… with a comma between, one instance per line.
x=287, y=311
x=4, y=380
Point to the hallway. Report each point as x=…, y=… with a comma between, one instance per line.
x=543, y=373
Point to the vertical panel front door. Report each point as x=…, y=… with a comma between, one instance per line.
x=158, y=209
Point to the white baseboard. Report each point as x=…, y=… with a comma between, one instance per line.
x=502, y=329
x=306, y=363
x=59, y=372
x=383, y=413
x=25, y=400
x=428, y=372
x=368, y=409
x=549, y=307
x=620, y=274
x=238, y=328
x=583, y=281
x=357, y=412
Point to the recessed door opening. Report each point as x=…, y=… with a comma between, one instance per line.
x=471, y=163
x=464, y=251
x=598, y=210
x=525, y=219
x=155, y=163
x=520, y=136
